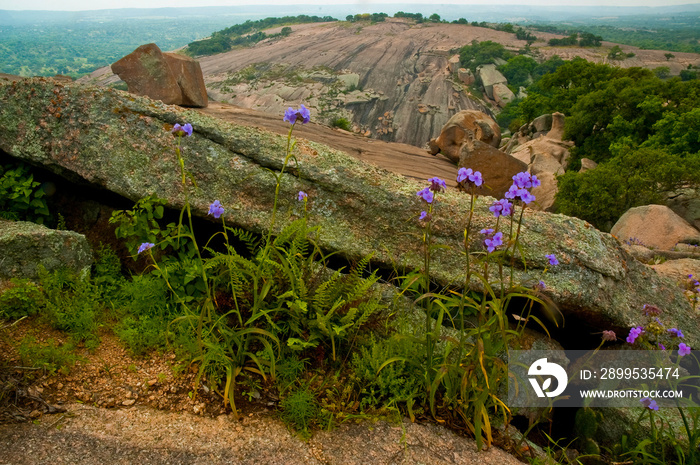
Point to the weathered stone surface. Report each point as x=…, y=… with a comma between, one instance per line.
x=679, y=270
x=587, y=164
x=453, y=63
x=490, y=76
x=188, y=75
x=655, y=226
x=542, y=123
x=121, y=143
x=497, y=167
x=462, y=127
x=147, y=73
x=556, y=131
x=466, y=76
x=547, y=191
x=24, y=246
x=502, y=94
x=686, y=203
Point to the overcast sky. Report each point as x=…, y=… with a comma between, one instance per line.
x=111, y=4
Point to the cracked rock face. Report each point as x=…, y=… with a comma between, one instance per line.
x=122, y=143
x=174, y=79
x=24, y=246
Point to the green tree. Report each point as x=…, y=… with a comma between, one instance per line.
x=434, y=18
x=479, y=53
x=633, y=177
x=518, y=70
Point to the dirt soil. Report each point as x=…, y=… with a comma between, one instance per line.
x=114, y=408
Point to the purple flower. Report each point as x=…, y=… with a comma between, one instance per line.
x=634, y=334
x=523, y=180
x=501, y=208
x=215, y=209
x=486, y=232
x=303, y=113
x=683, y=349
x=437, y=184
x=649, y=403
x=467, y=174
x=661, y=346
x=145, y=246
x=518, y=192
x=526, y=196
x=495, y=241
x=426, y=194
x=302, y=196
x=552, y=259
x=609, y=336
x=541, y=285
x=424, y=216
x=676, y=332
x=535, y=182
x=184, y=130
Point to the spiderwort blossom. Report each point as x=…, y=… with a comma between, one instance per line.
x=426, y=194
x=649, y=403
x=541, y=285
x=552, y=259
x=676, y=332
x=501, y=208
x=495, y=241
x=182, y=130
x=424, y=216
x=215, y=209
x=609, y=336
x=303, y=114
x=661, y=346
x=437, y=184
x=634, y=334
x=486, y=232
x=302, y=196
x=467, y=174
x=683, y=349
x=145, y=246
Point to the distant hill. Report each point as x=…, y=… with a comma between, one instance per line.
x=388, y=80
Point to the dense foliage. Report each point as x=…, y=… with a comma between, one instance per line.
x=247, y=34
x=644, y=131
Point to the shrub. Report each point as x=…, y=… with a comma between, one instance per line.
x=342, y=123
x=49, y=356
x=72, y=305
x=299, y=409
x=21, y=198
x=23, y=298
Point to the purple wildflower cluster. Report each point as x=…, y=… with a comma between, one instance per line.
x=634, y=334
x=491, y=240
x=501, y=208
x=469, y=176
x=215, y=209
x=145, y=246
x=655, y=329
x=436, y=185
x=302, y=114
x=520, y=189
x=649, y=403
x=552, y=259
x=182, y=130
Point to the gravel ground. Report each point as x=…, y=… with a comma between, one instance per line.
x=142, y=435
